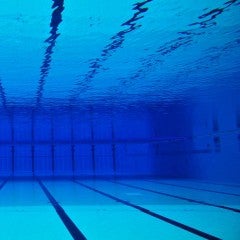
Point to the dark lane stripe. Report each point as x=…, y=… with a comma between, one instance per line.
x=220, y=184
x=153, y=214
x=177, y=197
x=70, y=225
x=199, y=189
x=3, y=183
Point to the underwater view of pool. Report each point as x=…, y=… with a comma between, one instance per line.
x=119, y=119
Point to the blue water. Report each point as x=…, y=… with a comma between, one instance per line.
x=129, y=89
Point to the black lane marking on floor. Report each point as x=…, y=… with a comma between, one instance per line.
x=177, y=197
x=3, y=183
x=220, y=184
x=199, y=189
x=153, y=214
x=70, y=225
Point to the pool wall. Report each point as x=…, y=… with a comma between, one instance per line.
x=173, y=140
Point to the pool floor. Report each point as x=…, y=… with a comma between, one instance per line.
x=118, y=209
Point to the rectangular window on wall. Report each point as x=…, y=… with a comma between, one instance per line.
x=62, y=128
x=104, y=159
x=62, y=160
x=134, y=159
x=5, y=129
x=102, y=127
x=42, y=128
x=83, y=160
x=131, y=126
x=125, y=165
x=43, y=160
x=82, y=127
x=22, y=160
x=5, y=160
x=22, y=128
x=140, y=155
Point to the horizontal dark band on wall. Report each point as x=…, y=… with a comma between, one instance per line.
x=90, y=141
x=199, y=151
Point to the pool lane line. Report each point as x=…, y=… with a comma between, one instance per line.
x=220, y=184
x=177, y=197
x=69, y=224
x=3, y=183
x=199, y=189
x=153, y=214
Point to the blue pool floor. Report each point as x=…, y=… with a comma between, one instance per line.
x=118, y=209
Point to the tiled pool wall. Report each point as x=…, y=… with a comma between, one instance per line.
x=172, y=140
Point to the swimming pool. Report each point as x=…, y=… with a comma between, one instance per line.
x=119, y=119
x=119, y=209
